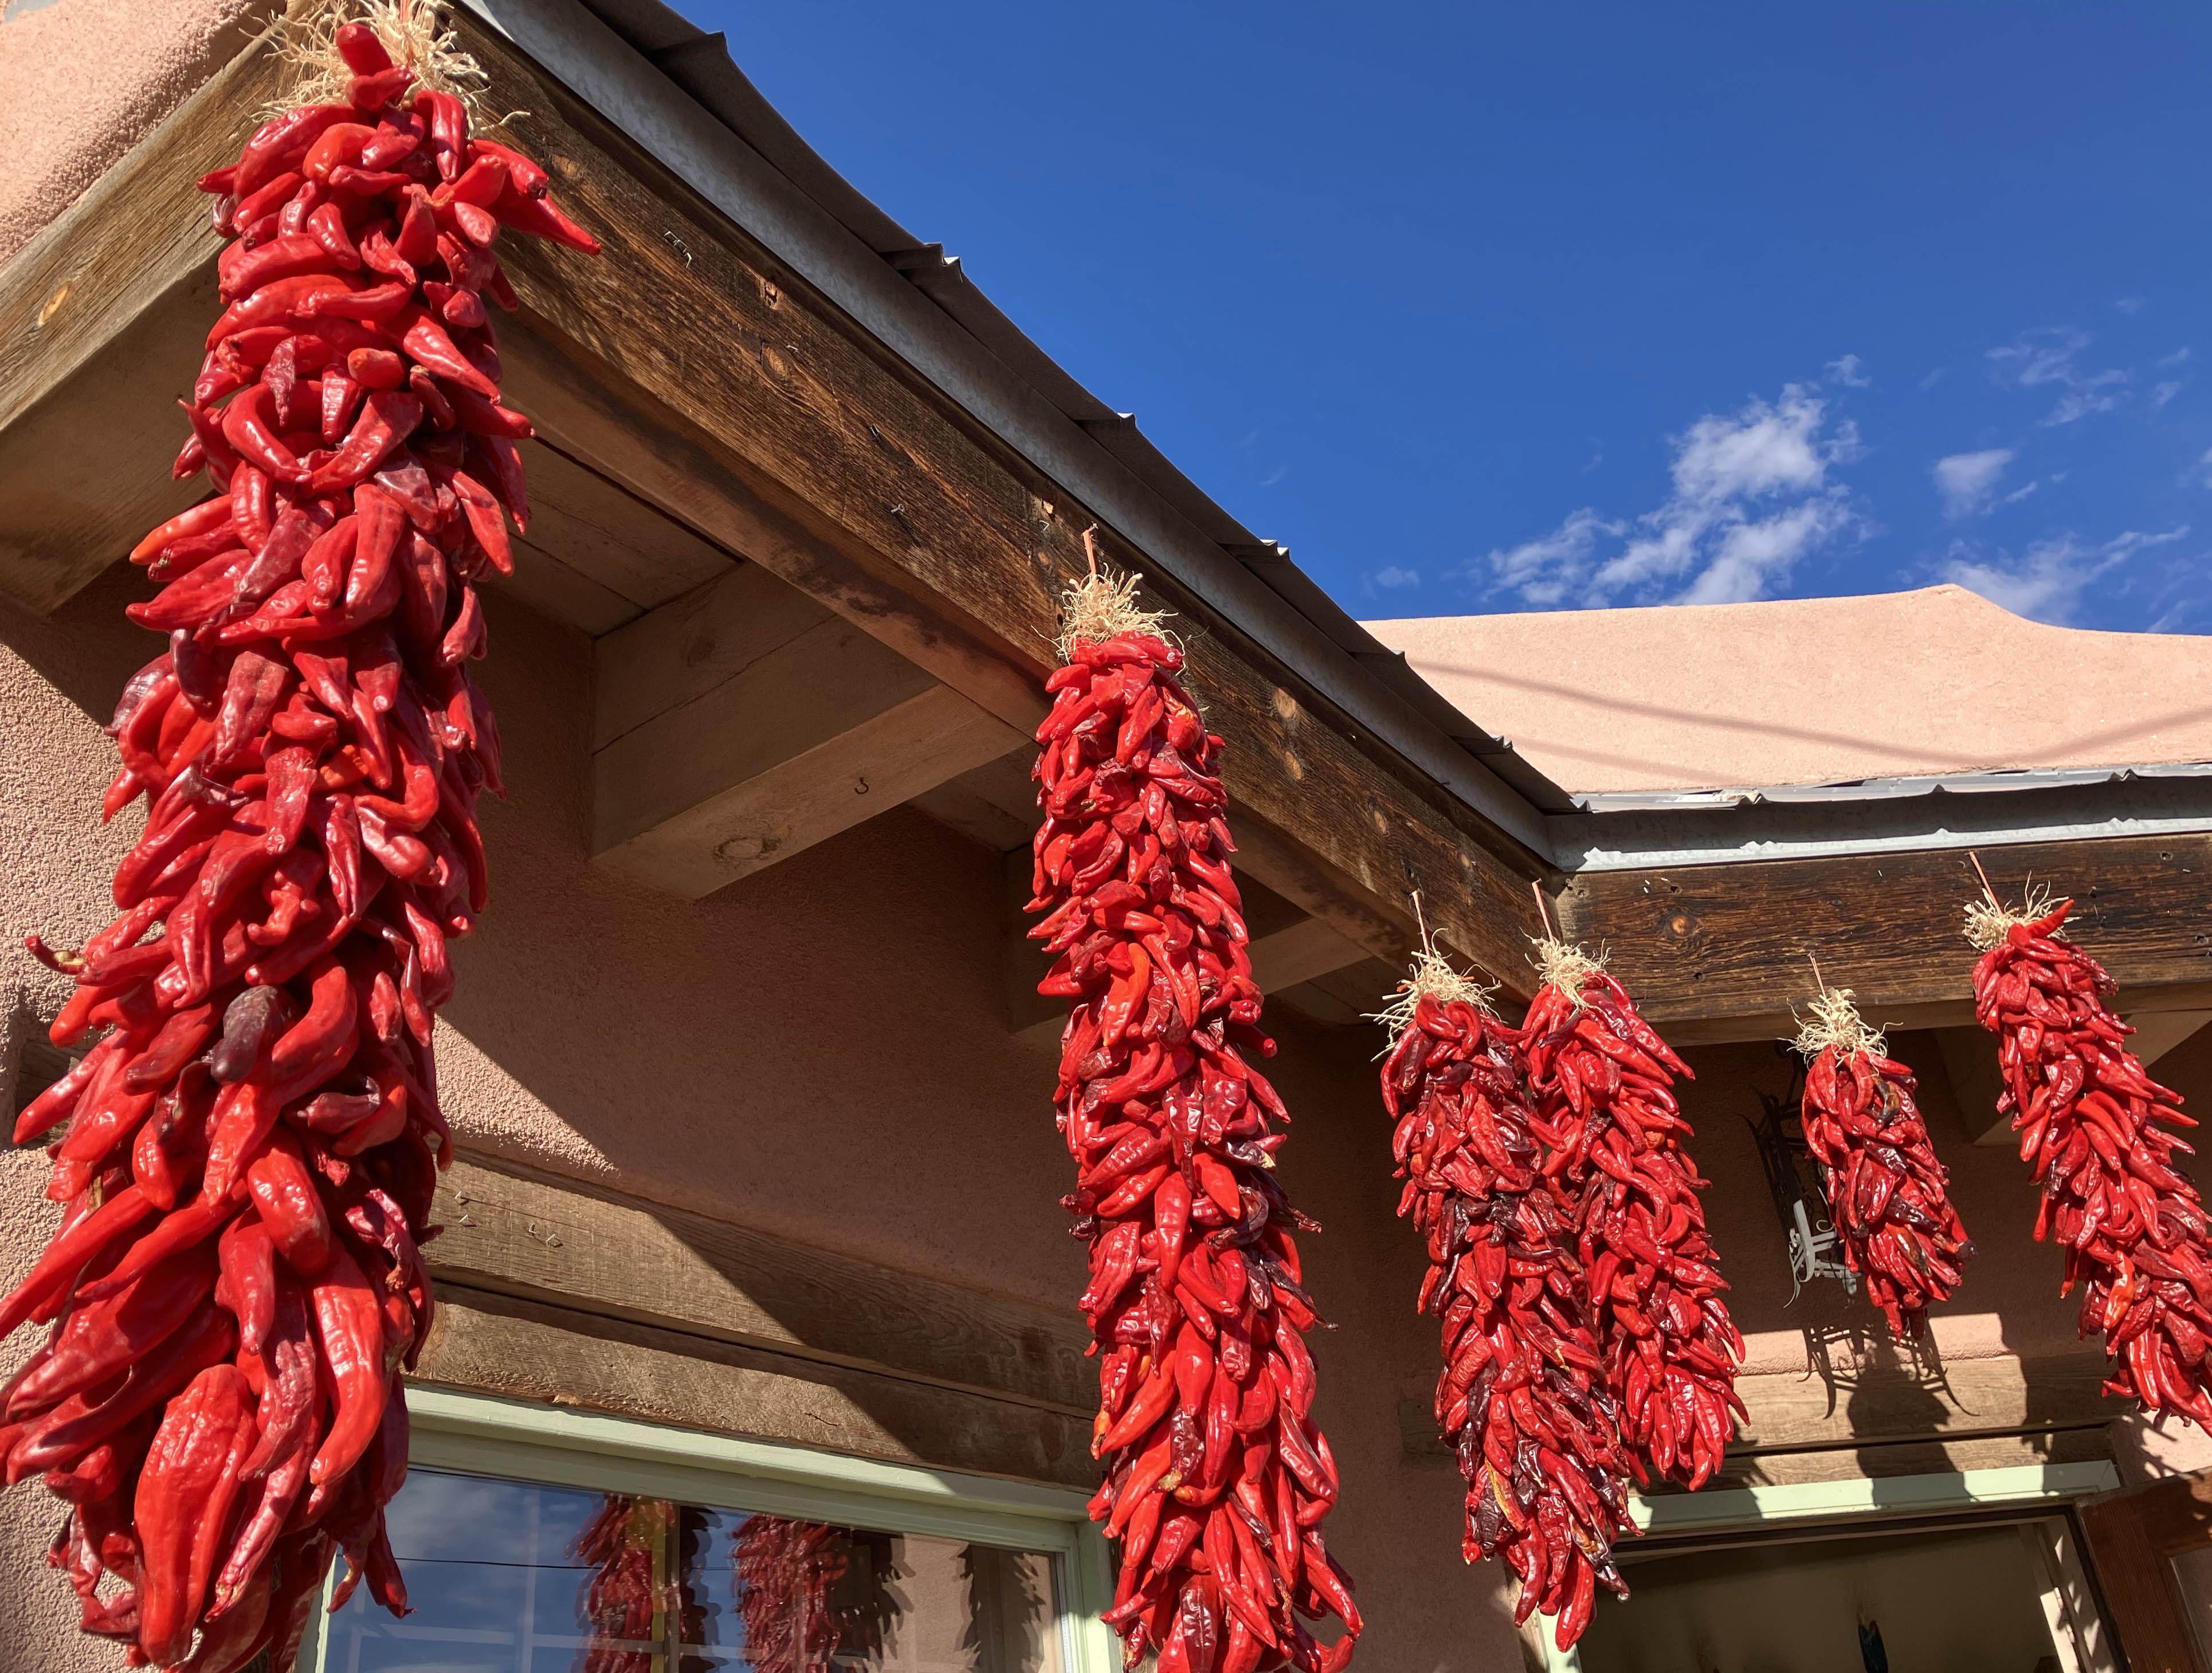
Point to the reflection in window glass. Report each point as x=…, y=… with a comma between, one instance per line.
x=509, y=1578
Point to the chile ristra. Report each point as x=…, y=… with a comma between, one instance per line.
x=1522, y=1399
x=1888, y=1194
x=254, y=1136
x=2092, y=1125
x=1217, y=1478
x=1603, y=1081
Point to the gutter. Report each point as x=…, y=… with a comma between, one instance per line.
x=1642, y=830
x=672, y=88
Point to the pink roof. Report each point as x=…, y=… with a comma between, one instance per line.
x=1813, y=690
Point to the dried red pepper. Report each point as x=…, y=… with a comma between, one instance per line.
x=2091, y=1125
x=1523, y=1399
x=628, y=1612
x=1217, y=1478
x=1603, y=1082
x=786, y=1572
x=1888, y=1196
x=252, y=1145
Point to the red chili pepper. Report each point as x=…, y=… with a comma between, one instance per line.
x=287, y=599
x=2092, y=1124
x=1195, y=1295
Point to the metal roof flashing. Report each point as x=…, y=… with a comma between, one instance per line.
x=674, y=89
x=640, y=64
x=1644, y=828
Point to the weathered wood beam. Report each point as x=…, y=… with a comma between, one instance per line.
x=689, y=366
x=705, y=1278
x=1720, y=952
x=743, y=722
x=102, y=318
x=525, y=1349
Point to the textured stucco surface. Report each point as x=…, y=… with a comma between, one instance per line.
x=819, y=1053
x=1810, y=690
x=83, y=81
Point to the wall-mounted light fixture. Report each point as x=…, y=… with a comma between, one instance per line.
x=1800, y=1202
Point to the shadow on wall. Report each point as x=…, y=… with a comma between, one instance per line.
x=819, y=1054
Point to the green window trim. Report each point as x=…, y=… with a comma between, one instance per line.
x=2025, y=1486
x=561, y=1446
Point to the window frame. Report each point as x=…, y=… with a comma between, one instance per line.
x=563, y=1446
x=2041, y=1494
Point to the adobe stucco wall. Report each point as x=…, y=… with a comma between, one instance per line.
x=83, y=81
x=1811, y=690
x=818, y=1053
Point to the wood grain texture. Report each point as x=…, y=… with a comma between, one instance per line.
x=689, y=365
x=521, y=1349
x=2014, y=1411
x=102, y=318
x=525, y=1237
x=2131, y=1535
x=1730, y=941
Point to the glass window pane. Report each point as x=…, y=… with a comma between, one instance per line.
x=507, y=1577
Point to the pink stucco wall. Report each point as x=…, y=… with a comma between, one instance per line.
x=819, y=1053
x=83, y=81
x=1811, y=690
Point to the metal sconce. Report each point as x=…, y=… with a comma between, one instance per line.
x=1801, y=1199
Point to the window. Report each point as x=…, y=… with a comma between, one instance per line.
x=536, y=1540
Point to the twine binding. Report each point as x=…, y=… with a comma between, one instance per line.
x=1835, y=1021
x=418, y=33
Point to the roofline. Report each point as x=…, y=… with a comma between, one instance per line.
x=672, y=88
x=1647, y=830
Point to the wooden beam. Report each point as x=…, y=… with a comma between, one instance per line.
x=689, y=366
x=1720, y=951
x=743, y=722
x=528, y=1350
x=103, y=316
x=705, y=1278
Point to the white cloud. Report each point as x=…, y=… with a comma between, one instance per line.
x=2047, y=582
x=1967, y=480
x=1847, y=371
x=1394, y=577
x=1752, y=496
x=2167, y=363
x=2130, y=304
x=2161, y=393
x=2036, y=359
x=1542, y=570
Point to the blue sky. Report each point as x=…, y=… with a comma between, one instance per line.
x=1487, y=308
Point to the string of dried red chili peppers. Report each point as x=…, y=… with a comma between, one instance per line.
x=1888, y=1194
x=1523, y=1398
x=252, y=1141
x=628, y=1609
x=785, y=1572
x=1603, y=1082
x=1217, y=1479
x=2091, y=1125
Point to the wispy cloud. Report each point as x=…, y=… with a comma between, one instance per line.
x=2046, y=583
x=1966, y=481
x=2167, y=363
x=2128, y=304
x=1848, y=371
x=2045, y=358
x=1392, y=575
x=1752, y=496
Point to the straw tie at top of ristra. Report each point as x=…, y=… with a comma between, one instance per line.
x=2094, y=1126
x=252, y=1138
x=1217, y=1478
